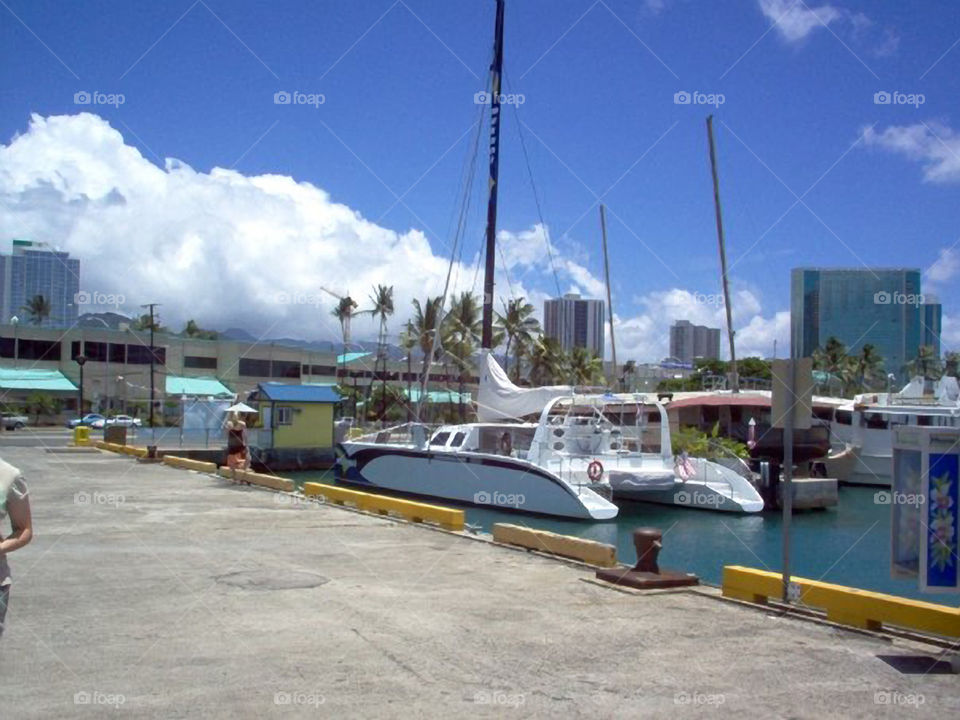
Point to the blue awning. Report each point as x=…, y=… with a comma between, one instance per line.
x=32, y=379
x=349, y=357
x=206, y=386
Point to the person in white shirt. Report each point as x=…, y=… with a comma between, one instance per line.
x=15, y=504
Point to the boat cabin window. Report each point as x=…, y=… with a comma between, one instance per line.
x=823, y=413
x=876, y=421
x=517, y=443
x=844, y=417
x=440, y=439
x=458, y=439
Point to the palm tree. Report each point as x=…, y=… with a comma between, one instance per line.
x=144, y=323
x=548, y=361
x=424, y=326
x=38, y=307
x=382, y=300
x=408, y=341
x=951, y=365
x=519, y=328
x=926, y=363
x=192, y=330
x=868, y=368
x=585, y=367
x=343, y=312
x=832, y=358
x=629, y=369
x=461, y=333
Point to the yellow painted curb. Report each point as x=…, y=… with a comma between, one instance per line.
x=188, y=464
x=448, y=518
x=122, y=449
x=588, y=551
x=269, y=481
x=845, y=605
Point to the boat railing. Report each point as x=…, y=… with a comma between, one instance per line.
x=731, y=461
x=404, y=434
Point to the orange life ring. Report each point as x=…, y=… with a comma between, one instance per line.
x=595, y=471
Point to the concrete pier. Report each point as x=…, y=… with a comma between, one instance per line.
x=156, y=592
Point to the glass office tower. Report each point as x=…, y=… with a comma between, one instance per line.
x=881, y=306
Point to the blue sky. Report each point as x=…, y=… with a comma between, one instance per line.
x=804, y=181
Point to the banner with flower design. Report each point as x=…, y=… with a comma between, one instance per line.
x=940, y=526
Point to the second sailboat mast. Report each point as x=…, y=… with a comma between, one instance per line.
x=496, y=73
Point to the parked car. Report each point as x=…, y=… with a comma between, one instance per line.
x=125, y=421
x=87, y=420
x=11, y=421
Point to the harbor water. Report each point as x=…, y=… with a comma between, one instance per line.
x=848, y=544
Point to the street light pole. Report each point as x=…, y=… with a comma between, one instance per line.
x=15, y=321
x=153, y=358
x=80, y=360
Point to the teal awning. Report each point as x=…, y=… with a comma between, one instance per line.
x=177, y=385
x=32, y=379
x=350, y=357
x=439, y=396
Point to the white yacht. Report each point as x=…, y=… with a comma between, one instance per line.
x=585, y=449
x=861, y=429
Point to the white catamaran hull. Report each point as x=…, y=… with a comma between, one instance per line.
x=481, y=479
x=710, y=487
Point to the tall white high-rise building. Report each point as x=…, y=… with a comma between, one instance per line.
x=575, y=322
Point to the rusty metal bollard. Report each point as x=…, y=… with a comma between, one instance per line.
x=647, y=542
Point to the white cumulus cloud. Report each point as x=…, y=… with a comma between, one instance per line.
x=229, y=249
x=934, y=145
x=795, y=19
x=945, y=267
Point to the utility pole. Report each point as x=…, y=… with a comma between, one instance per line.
x=153, y=357
x=734, y=376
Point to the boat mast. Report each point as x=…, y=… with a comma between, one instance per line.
x=734, y=376
x=496, y=72
x=606, y=269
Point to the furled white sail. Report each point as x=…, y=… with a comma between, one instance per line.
x=500, y=399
